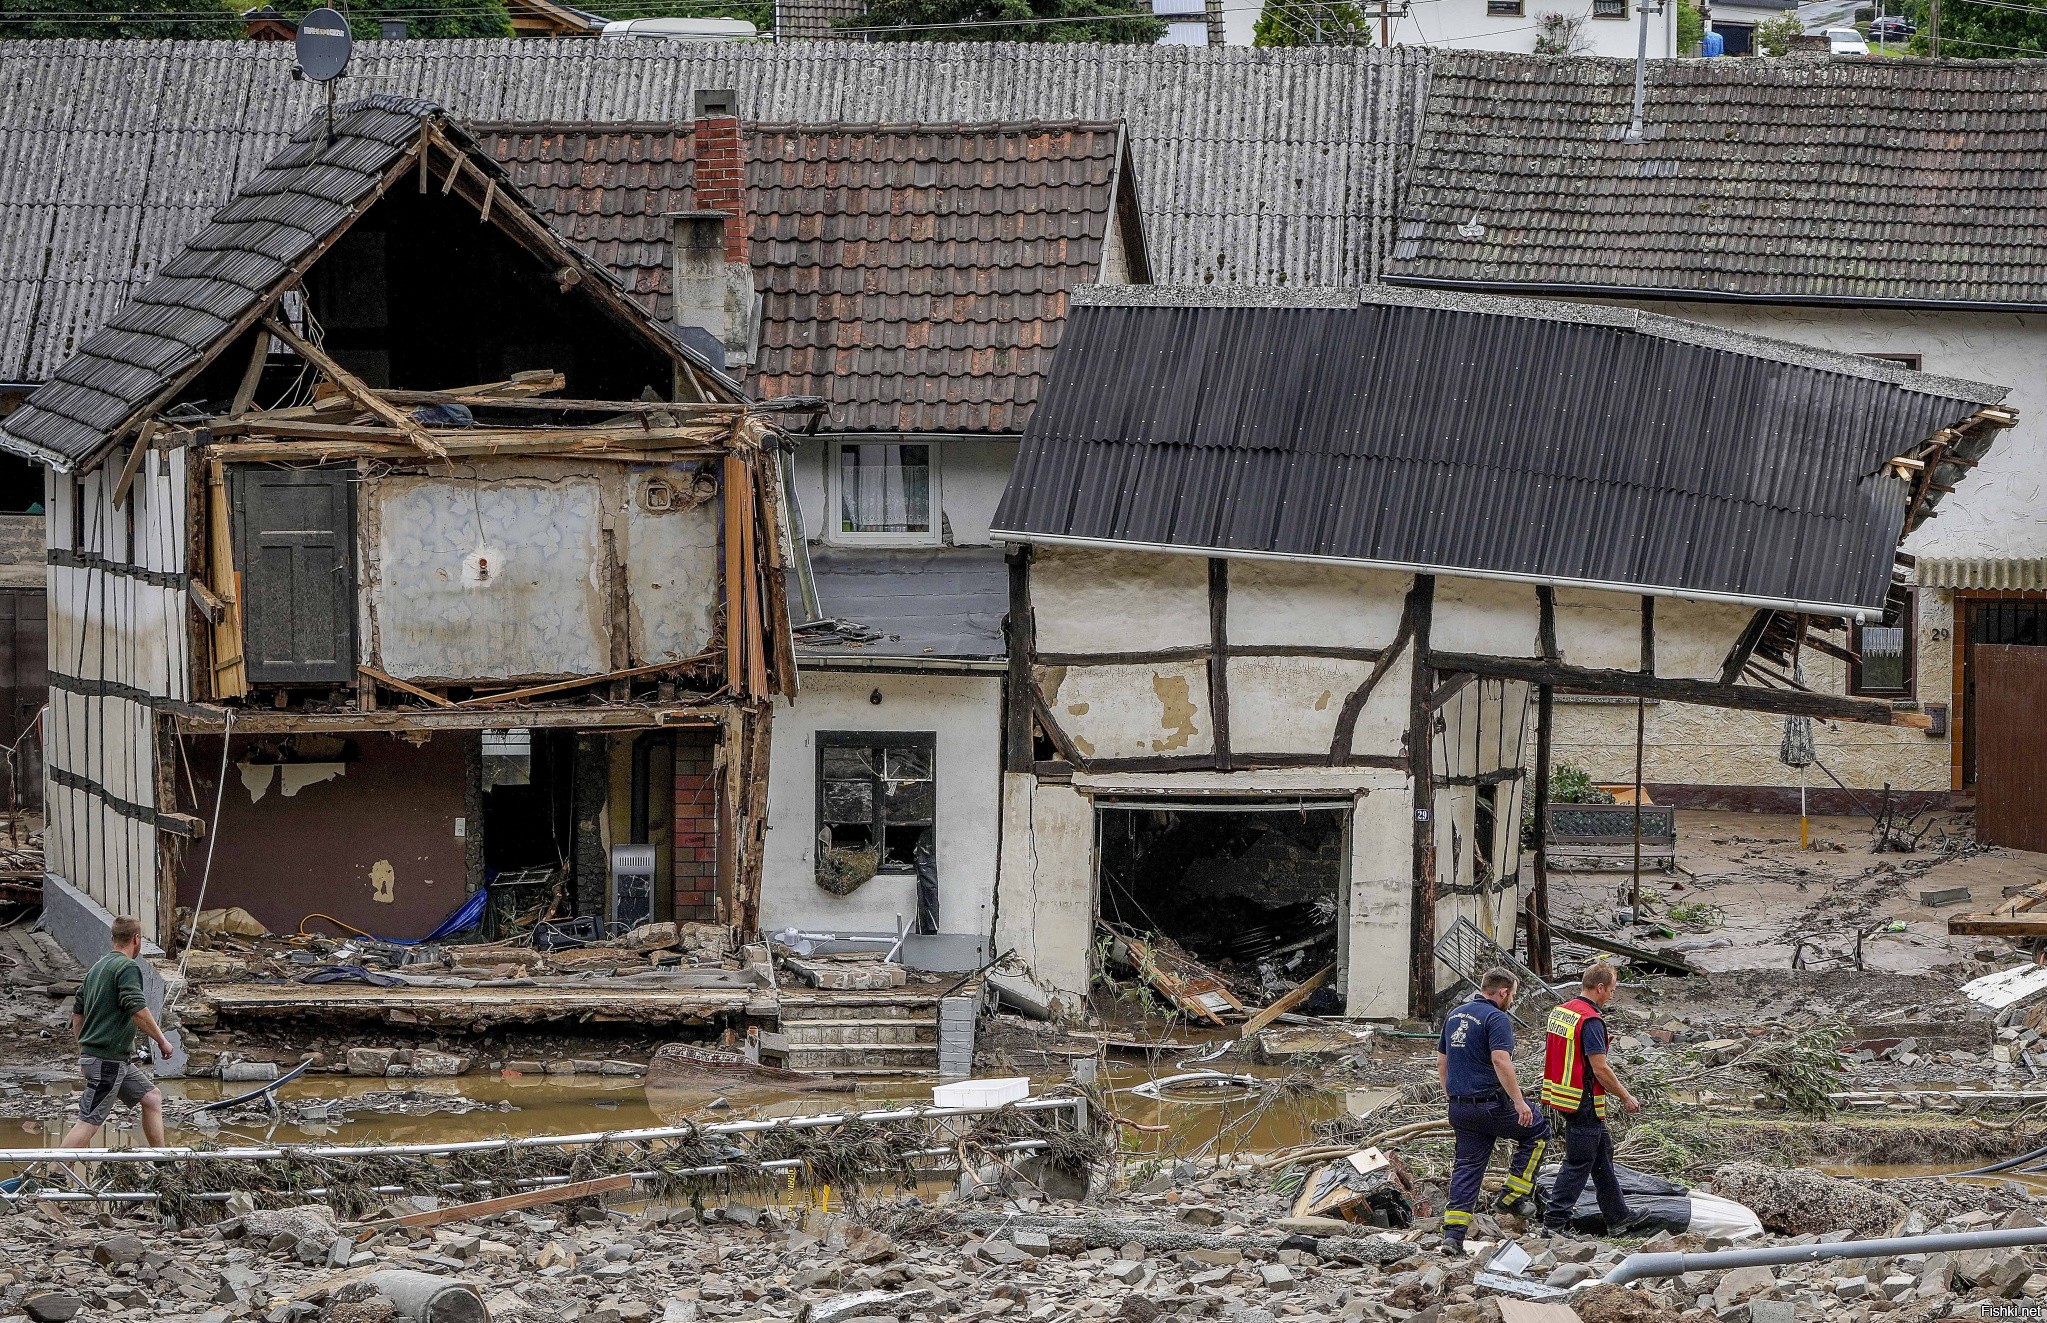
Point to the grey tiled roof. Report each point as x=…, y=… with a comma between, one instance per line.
x=300, y=197
x=914, y=276
x=1858, y=181
x=255, y=247
x=1253, y=165
x=1519, y=438
x=947, y=602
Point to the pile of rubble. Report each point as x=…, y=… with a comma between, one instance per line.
x=1215, y=1245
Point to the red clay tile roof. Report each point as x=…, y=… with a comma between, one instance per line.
x=914, y=276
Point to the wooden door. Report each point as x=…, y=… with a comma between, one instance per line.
x=2011, y=757
x=295, y=550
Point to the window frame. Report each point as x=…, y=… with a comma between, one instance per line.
x=1625, y=12
x=1506, y=9
x=925, y=740
x=835, y=532
x=1909, y=690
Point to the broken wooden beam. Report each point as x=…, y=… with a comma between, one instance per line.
x=187, y=825
x=1641, y=955
x=582, y=681
x=547, y=1194
x=1302, y=991
x=1634, y=684
x=404, y=686
x=355, y=387
x=2025, y=924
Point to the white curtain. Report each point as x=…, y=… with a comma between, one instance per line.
x=884, y=487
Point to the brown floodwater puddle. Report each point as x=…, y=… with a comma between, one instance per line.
x=1185, y=1121
x=2036, y=1182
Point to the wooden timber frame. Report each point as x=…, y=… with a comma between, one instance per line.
x=1033, y=741
x=730, y=687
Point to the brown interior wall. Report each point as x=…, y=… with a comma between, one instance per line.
x=696, y=827
x=329, y=848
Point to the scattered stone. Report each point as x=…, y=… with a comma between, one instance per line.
x=1797, y=1200
x=53, y=1307
x=118, y=1250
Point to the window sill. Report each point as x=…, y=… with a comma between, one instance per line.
x=883, y=540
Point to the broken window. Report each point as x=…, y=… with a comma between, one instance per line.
x=876, y=792
x=507, y=757
x=1885, y=652
x=888, y=491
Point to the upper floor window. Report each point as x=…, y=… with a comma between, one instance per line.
x=1885, y=652
x=885, y=491
x=1504, y=8
x=1609, y=8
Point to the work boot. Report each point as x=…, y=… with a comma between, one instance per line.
x=1522, y=1206
x=1453, y=1244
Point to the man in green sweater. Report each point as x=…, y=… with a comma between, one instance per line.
x=105, y=1017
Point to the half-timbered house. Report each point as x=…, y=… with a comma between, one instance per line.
x=396, y=555
x=1297, y=573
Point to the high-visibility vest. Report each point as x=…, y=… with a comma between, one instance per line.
x=1565, y=1076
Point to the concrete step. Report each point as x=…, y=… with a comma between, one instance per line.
x=856, y=1033
x=850, y=1009
x=860, y=1059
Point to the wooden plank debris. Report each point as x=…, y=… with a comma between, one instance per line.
x=1997, y=925
x=1668, y=962
x=1196, y=993
x=1302, y=991
x=508, y=1203
x=356, y=388
x=1934, y=900
x=404, y=686
x=581, y=681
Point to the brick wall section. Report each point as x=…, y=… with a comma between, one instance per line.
x=696, y=828
x=719, y=178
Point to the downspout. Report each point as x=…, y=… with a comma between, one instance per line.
x=1638, y=1266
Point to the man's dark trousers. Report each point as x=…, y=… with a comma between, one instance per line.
x=1588, y=1155
x=1479, y=1122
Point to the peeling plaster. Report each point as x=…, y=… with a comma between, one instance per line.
x=256, y=779
x=297, y=776
x=1176, y=712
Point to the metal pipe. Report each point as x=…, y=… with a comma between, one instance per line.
x=1637, y=1266
x=652, y=1134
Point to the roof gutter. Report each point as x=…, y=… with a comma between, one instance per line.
x=1702, y=295
x=1859, y=613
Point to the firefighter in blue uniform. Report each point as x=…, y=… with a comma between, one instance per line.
x=1475, y=1061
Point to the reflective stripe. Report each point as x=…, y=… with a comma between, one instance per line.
x=1562, y=1066
x=1456, y=1217
x=1523, y=1181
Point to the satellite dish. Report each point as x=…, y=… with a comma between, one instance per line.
x=324, y=45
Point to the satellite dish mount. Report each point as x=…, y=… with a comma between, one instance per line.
x=324, y=46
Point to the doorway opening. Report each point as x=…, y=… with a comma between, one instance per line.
x=1254, y=891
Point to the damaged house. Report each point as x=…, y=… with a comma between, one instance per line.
x=913, y=279
x=401, y=567
x=1298, y=575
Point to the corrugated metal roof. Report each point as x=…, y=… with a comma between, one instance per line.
x=915, y=276
x=1254, y=166
x=255, y=246
x=1497, y=437
x=1857, y=181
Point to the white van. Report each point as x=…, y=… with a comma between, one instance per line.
x=680, y=29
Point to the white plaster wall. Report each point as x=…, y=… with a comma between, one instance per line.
x=1047, y=907
x=1486, y=616
x=971, y=476
x=1275, y=602
x=965, y=712
x=1465, y=24
x=1381, y=886
x=1132, y=711
x=1084, y=600
x=1290, y=704
x=2001, y=509
x=1598, y=630
x=1694, y=638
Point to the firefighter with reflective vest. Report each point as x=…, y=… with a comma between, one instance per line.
x=1475, y=1062
x=1579, y=1085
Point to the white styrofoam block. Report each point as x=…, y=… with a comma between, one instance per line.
x=981, y=1093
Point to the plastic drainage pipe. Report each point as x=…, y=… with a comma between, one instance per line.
x=1638, y=1266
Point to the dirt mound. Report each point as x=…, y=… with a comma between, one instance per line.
x=1621, y=1304
x=1797, y=1201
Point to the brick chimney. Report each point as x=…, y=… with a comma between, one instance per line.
x=714, y=298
